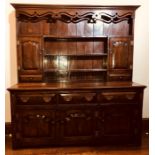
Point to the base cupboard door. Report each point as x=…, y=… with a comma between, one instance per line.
x=118, y=124
x=34, y=128
x=77, y=126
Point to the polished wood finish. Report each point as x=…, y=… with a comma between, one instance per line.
x=73, y=60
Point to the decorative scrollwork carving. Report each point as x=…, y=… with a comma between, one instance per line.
x=65, y=17
x=120, y=43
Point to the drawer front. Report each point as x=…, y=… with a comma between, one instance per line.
x=30, y=78
x=77, y=98
x=119, y=78
x=35, y=99
x=117, y=97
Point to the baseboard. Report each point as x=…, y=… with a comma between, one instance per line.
x=145, y=126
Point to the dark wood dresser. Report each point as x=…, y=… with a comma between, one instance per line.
x=75, y=77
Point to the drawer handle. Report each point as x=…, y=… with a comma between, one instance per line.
x=89, y=97
x=67, y=98
x=24, y=98
x=47, y=99
x=130, y=97
x=108, y=97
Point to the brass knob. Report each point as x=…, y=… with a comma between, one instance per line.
x=37, y=116
x=43, y=116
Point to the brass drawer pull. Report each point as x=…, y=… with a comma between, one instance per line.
x=109, y=97
x=38, y=116
x=130, y=96
x=24, y=98
x=67, y=98
x=47, y=99
x=89, y=97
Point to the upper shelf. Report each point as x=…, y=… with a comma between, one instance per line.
x=76, y=38
x=78, y=55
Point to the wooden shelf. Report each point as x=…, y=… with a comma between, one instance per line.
x=76, y=70
x=78, y=55
x=74, y=37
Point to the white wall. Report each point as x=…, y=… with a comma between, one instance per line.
x=141, y=49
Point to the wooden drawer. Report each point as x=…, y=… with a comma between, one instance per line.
x=77, y=98
x=117, y=97
x=119, y=78
x=35, y=99
x=30, y=78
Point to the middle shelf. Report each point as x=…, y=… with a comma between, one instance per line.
x=71, y=46
x=75, y=70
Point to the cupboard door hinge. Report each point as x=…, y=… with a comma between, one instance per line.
x=131, y=42
x=18, y=42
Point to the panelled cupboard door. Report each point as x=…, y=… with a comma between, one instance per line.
x=34, y=128
x=77, y=126
x=117, y=124
x=120, y=58
x=120, y=53
x=29, y=59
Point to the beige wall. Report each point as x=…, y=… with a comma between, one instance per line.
x=141, y=49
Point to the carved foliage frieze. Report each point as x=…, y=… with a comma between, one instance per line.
x=90, y=17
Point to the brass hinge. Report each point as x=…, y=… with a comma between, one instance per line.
x=131, y=42
x=18, y=42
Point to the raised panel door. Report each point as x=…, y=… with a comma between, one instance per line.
x=34, y=128
x=119, y=53
x=117, y=124
x=77, y=126
x=29, y=59
x=120, y=58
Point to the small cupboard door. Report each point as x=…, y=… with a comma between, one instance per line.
x=29, y=59
x=120, y=58
x=35, y=127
